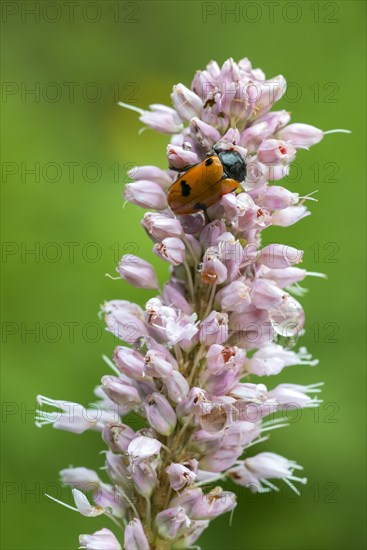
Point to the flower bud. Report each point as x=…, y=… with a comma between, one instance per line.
x=150, y=173
x=211, y=233
x=279, y=256
x=173, y=296
x=220, y=358
x=277, y=198
x=124, y=325
x=142, y=447
x=161, y=226
x=145, y=478
x=137, y=272
x=289, y=216
x=180, y=476
x=273, y=151
x=171, y=250
x=120, y=392
x=116, y=468
x=214, y=416
x=85, y=508
x=252, y=137
x=156, y=365
x=172, y=522
x=266, y=294
x=192, y=534
x=103, y=539
x=177, y=386
x=121, y=436
x=249, y=393
x=81, y=478
x=205, y=134
x=129, y=362
x=160, y=118
x=214, y=329
x=135, y=538
x=213, y=271
x=180, y=158
x=160, y=414
x=110, y=500
x=146, y=194
x=268, y=92
x=234, y=297
x=284, y=277
x=275, y=120
x=301, y=135
x=213, y=504
x=192, y=223
x=186, y=102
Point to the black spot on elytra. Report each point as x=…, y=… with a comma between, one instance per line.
x=185, y=189
x=209, y=162
x=199, y=206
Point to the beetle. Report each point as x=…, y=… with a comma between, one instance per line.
x=205, y=183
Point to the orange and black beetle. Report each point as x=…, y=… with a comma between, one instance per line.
x=205, y=183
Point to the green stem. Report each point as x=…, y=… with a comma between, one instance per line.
x=190, y=282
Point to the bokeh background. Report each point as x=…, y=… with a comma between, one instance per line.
x=80, y=59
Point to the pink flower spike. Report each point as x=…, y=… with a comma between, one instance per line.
x=186, y=402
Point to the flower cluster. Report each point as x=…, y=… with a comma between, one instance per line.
x=187, y=372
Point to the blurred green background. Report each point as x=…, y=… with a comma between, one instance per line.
x=80, y=58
